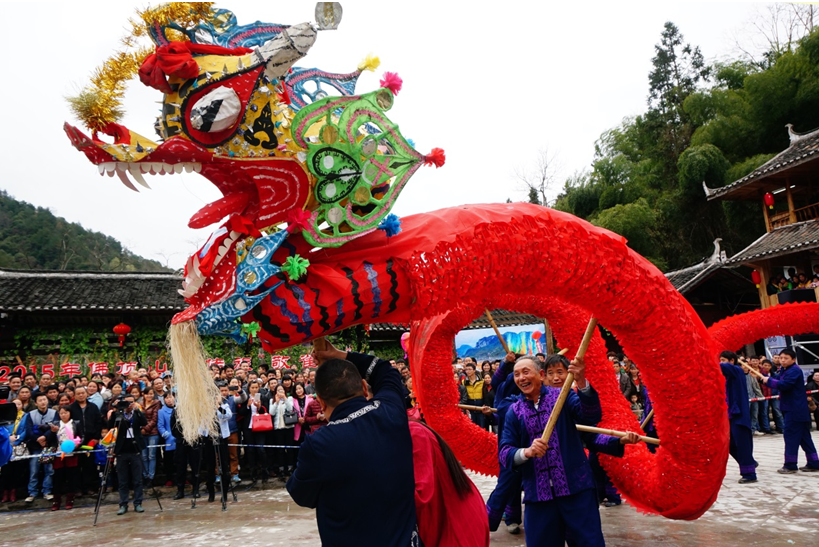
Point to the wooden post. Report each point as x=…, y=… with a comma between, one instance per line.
x=762, y=268
x=567, y=386
x=497, y=332
x=550, y=343
x=647, y=419
x=791, y=210
x=767, y=217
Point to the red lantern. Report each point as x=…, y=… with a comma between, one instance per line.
x=769, y=200
x=756, y=278
x=122, y=331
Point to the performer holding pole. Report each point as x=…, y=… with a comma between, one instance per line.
x=559, y=491
x=497, y=332
x=794, y=405
x=739, y=415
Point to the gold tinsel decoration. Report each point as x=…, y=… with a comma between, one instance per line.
x=100, y=103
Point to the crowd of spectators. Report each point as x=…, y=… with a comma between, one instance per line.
x=83, y=408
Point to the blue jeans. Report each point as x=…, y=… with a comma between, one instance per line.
x=764, y=420
x=34, y=477
x=149, y=456
x=754, y=415
x=777, y=415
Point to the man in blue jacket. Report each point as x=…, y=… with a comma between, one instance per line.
x=794, y=405
x=558, y=486
x=741, y=447
x=357, y=470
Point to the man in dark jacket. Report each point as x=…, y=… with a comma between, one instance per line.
x=128, y=420
x=794, y=404
x=739, y=416
x=357, y=471
x=90, y=419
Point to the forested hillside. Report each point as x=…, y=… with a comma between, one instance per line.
x=32, y=238
x=704, y=123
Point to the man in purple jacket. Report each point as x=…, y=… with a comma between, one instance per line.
x=558, y=486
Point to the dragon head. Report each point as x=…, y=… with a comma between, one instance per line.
x=285, y=146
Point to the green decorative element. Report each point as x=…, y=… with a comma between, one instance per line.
x=250, y=329
x=295, y=267
x=360, y=160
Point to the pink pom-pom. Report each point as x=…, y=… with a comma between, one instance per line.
x=392, y=81
x=437, y=158
x=298, y=219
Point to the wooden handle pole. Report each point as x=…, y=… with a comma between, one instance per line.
x=750, y=369
x=613, y=433
x=564, y=392
x=473, y=407
x=497, y=332
x=647, y=419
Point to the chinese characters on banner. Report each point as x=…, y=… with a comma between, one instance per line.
x=98, y=368
x=307, y=361
x=218, y=362
x=279, y=361
x=69, y=369
x=126, y=368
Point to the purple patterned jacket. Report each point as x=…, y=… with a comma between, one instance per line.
x=564, y=470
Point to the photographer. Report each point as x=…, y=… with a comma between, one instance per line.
x=220, y=438
x=128, y=420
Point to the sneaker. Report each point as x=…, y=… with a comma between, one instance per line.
x=30, y=499
x=608, y=503
x=743, y=480
x=122, y=510
x=138, y=508
x=786, y=471
x=236, y=479
x=807, y=469
x=758, y=434
x=513, y=529
x=49, y=497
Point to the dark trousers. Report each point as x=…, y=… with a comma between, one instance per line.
x=88, y=472
x=797, y=434
x=168, y=467
x=742, y=450
x=256, y=457
x=605, y=488
x=209, y=461
x=129, y=471
x=185, y=455
x=505, y=499
x=282, y=457
x=548, y=523
x=66, y=481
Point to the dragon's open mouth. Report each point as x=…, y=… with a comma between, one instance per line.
x=262, y=189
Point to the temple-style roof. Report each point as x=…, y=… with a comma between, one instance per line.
x=801, y=236
x=804, y=149
x=502, y=318
x=688, y=278
x=30, y=290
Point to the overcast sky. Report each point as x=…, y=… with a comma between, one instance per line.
x=490, y=85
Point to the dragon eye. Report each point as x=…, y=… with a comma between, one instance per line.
x=258, y=251
x=216, y=111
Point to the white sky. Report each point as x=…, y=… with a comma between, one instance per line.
x=490, y=85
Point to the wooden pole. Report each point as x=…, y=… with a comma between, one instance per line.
x=750, y=369
x=614, y=433
x=647, y=419
x=473, y=407
x=497, y=332
x=564, y=392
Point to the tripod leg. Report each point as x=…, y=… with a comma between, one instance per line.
x=218, y=454
x=108, y=461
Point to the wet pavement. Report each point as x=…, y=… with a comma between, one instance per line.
x=779, y=510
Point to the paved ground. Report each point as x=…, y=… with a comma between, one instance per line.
x=780, y=510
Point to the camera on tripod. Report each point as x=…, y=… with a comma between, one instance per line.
x=121, y=404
